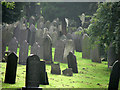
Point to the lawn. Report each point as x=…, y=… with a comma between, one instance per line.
x=90, y=75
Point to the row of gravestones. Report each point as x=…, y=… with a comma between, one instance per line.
x=35, y=71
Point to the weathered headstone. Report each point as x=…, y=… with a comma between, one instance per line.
x=67, y=72
x=95, y=54
x=33, y=71
x=69, y=36
x=23, y=53
x=13, y=44
x=115, y=76
x=47, y=24
x=59, y=51
x=47, y=48
x=111, y=55
x=55, y=69
x=63, y=37
x=54, y=38
x=85, y=47
x=11, y=68
x=72, y=63
x=69, y=47
x=31, y=21
x=34, y=49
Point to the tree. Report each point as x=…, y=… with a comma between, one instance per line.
x=105, y=25
x=64, y=10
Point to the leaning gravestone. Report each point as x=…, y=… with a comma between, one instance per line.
x=11, y=68
x=33, y=71
x=85, y=47
x=47, y=48
x=59, y=51
x=13, y=44
x=23, y=53
x=67, y=72
x=55, y=69
x=69, y=47
x=111, y=55
x=95, y=54
x=114, y=77
x=72, y=63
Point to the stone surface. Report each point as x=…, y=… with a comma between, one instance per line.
x=72, y=63
x=55, y=69
x=85, y=47
x=33, y=71
x=10, y=75
x=67, y=72
x=13, y=45
x=23, y=53
x=59, y=51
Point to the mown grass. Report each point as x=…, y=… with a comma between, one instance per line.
x=90, y=75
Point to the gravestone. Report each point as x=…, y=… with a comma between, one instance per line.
x=40, y=25
x=13, y=44
x=69, y=36
x=111, y=55
x=0, y=45
x=47, y=24
x=72, y=63
x=16, y=32
x=47, y=48
x=67, y=72
x=63, y=37
x=11, y=67
x=54, y=38
x=33, y=71
x=23, y=53
x=59, y=51
x=115, y=76
x=85, y=47
x=31, y=21
x=69, y=47
x=34, y=49
x=55, y=69
x=95, y=54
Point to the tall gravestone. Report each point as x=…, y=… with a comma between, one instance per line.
x=85, y=47
x=33, y=71
x=59, y=51
x=47, y=48
x=54, y=38
x=34, y=48
x=13, y=44
x=95, y=54
x=111, y=55
x=69, y=47
x=72, y=63
x=10, y=75
x=23, y=53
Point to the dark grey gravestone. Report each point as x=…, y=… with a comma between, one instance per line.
x=67, y=72
x=32, y=34
x=59, y=51
x=33, y=71
x=115, y=76
x=43, y=75
x=23, y=53
x=47, y=48
x=111, y=55
x=55, y=69
x=10, y=75
x=13, y=44
x=95, y=54
x=69, y=47
x=72, y=63
x=85, y=47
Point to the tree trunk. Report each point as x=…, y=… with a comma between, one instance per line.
x=64, y=26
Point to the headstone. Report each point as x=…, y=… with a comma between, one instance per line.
x=95, y=54
x=0, y=44
x=40, y=25
x=34, y=49
x=63, y=37
x=47, y=48
x=55, y=69
x=111, y=55
x=54, y=38
x=69, y=47
x=59, y=51
x=47, y=24
x=72, y=63
x=114, y=77
x=33, y=71
x=69, y=36
x=23, y=53
x=67, y=72
x=13, y=44
x=10, y=75
x=32, y=21
x=85, y=47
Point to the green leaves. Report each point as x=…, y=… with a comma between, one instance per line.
x=10, y=5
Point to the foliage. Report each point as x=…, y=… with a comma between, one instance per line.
x=10, y=5
x=105, y=24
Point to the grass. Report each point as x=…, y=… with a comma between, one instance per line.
x=90, y=75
